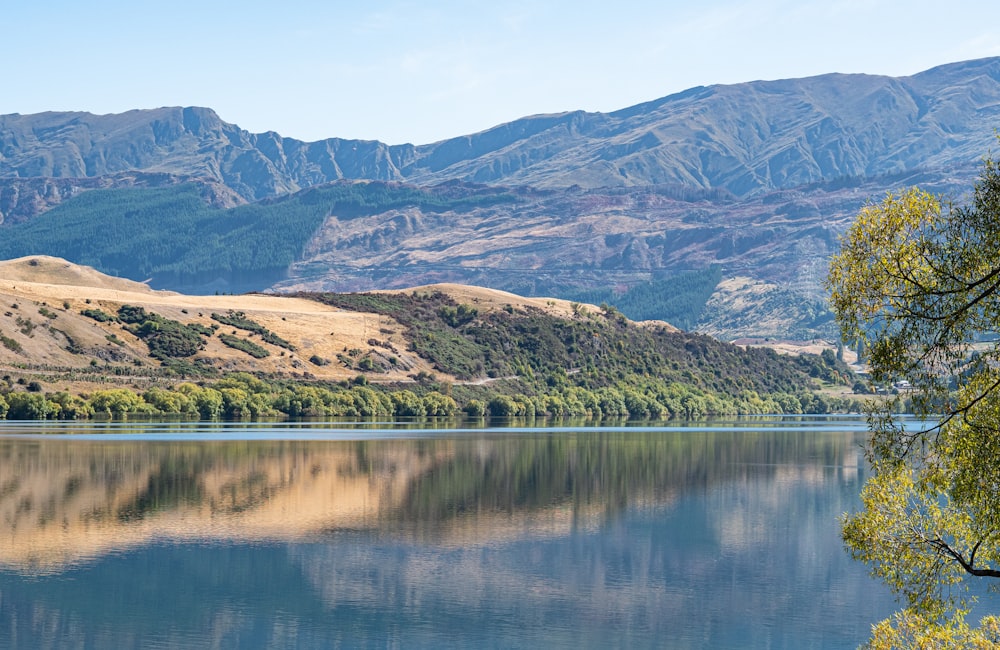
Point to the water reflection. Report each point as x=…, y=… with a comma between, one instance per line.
x=65, y=500
x=687, y=537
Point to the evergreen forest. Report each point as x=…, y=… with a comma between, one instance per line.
x=172, y=236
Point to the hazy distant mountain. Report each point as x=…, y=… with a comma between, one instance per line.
x=757, y=178
x=747, y=138
x=744, y=138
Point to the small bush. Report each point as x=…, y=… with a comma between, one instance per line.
x=244, y=345
x=98, y=315
x=10, y=344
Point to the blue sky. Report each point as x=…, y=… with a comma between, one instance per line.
x=401, y=71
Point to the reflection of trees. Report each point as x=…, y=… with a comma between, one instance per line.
x=606, y=471
x=505, y=560
x=746, y=511
x=166, y=488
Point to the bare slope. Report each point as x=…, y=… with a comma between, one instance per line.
x=42, y=325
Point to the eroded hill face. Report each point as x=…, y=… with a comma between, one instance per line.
x=568, y=243
x=43, y=325
x=50, y=317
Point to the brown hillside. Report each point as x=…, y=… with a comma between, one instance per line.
x=43, y=329
x=45, y=337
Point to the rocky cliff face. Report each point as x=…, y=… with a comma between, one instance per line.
x=193, y=143
x=746, y=138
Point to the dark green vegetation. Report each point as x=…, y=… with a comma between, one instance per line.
x=600, y=348
x=679, y=300
x=244, y=345
x=633, y=370
x=99, y=315
x=166, y=338
x=239, y=320
x=9, y=343
x=172, y=237
x=171, y=341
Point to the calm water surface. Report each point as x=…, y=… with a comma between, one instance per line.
x=332, y=535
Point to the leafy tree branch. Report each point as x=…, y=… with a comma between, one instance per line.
x=917, y=282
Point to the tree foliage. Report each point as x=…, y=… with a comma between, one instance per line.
x=917, y=284
x=679, y=300
x=587, y=350
x=166, y=338
x=908, y=629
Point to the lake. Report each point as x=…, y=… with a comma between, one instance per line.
x=315, y=535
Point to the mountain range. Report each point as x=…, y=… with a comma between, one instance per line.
x=748, y=183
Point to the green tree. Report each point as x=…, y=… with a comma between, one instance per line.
x=369, y=402
x=917, y=283
x=71, y=407
x=207, y=401
x=475, y=408
x=169, y=401
x=439, y=405
x=407, y=404
x=117, y=402
x=30, y=406
x=235, y=403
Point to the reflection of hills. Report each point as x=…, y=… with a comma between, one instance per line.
x=65, y=500
x=62, y=501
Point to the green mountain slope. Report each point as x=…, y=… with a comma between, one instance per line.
x=172, y=238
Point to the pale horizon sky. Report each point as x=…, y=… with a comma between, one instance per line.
x=407, y=71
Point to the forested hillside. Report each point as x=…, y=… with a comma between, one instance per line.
x=603, y=351
x=172, y=238
x=678, y=300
